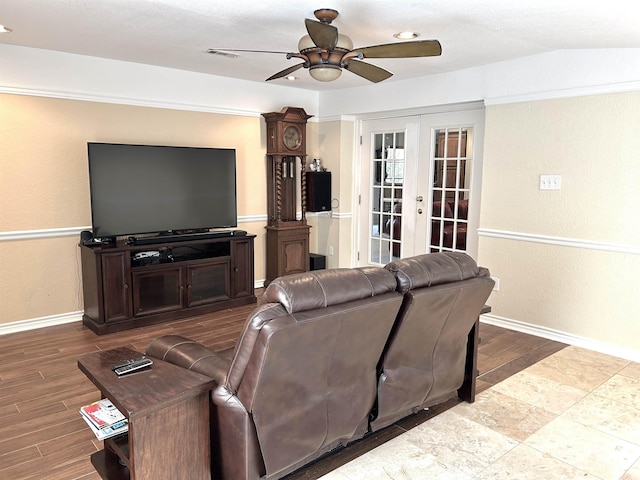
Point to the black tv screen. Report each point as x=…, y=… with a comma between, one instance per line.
x=154, y=189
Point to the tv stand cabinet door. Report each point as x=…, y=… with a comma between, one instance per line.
x=242, y=274
x=116, y=291
x=208, y=283
x=157, y=290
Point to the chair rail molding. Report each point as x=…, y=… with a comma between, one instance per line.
x=42, y=233
x=70, y=231
x=560, y=241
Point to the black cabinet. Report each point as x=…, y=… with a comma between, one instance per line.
x=126, y=286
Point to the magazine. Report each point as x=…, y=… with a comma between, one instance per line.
x=104, y=419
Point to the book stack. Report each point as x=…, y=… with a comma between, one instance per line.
x=104, y=419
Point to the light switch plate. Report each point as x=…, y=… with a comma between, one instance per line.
x=550, y=182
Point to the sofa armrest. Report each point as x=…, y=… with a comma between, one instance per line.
x=191, y=355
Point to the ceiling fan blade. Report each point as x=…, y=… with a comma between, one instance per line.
x=216, y=50
x=419, y=48
x=368, y=71
x=285, y=72
x=322, y=34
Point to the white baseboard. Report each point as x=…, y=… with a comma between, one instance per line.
x=563, y=337
x=41, y=322
x=52, y=320
x=536, y=330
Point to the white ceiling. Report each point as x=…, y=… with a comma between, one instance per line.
x=176, y=33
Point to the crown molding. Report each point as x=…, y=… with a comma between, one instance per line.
x=565, y=93
x=136, y=102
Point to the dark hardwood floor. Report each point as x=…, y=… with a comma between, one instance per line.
x=41, y=390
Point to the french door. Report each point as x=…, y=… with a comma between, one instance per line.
x=419, y=185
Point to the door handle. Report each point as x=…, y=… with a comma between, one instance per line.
x=419, y=198
x=419, y=211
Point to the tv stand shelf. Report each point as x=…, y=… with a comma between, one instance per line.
x=127, y=286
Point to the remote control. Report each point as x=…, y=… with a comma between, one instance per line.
x=124, y=363
x=133, y=365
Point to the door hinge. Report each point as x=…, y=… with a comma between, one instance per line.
x=359, y=199
x=358, y=256
x=360, y=139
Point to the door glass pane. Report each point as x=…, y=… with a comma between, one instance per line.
x=157, y=291
x=208, y=283
x=451, y=186
x=388, y=164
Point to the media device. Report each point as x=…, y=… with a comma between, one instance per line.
x=138, y=189
x=86, y=237
x=317, y=261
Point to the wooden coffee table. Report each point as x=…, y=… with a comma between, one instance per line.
x=168, y=411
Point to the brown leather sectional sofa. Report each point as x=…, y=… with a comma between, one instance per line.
x=331, y=355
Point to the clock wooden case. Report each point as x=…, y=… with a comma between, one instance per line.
x=287, y=236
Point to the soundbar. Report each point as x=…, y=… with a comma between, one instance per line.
x=186, y=237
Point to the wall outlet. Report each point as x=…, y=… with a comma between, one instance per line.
x=496, y=287
x=550, y=182
x=330, y=250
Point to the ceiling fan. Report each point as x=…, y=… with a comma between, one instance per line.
x=325, y=52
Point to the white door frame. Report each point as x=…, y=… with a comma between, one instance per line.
x=470, y=114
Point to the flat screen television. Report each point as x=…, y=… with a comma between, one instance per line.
x=137, y=189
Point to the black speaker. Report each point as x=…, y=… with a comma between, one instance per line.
x=86, y=237
x=318, y=191
x=317, y=262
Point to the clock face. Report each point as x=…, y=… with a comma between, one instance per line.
x=292, y=137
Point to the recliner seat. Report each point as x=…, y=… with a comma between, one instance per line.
x=424, y=361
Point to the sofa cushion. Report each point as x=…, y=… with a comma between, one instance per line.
x=432, y=269
x=323, y=288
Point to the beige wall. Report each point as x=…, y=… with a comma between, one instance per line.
x=567, y=260
x=333, y=144
x=44, y=184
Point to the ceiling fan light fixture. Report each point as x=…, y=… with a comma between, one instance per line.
x=305, y=43
x=325, y=73
x=344, y=42
x=406, y=35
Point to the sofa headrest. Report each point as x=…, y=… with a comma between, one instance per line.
x=323, y=288
x=433, y=269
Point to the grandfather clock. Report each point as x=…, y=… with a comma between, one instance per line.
x=287, y=237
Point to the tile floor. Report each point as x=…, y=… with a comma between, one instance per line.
x=575, y=414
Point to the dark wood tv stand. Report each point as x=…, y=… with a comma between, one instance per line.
x=127, y=286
